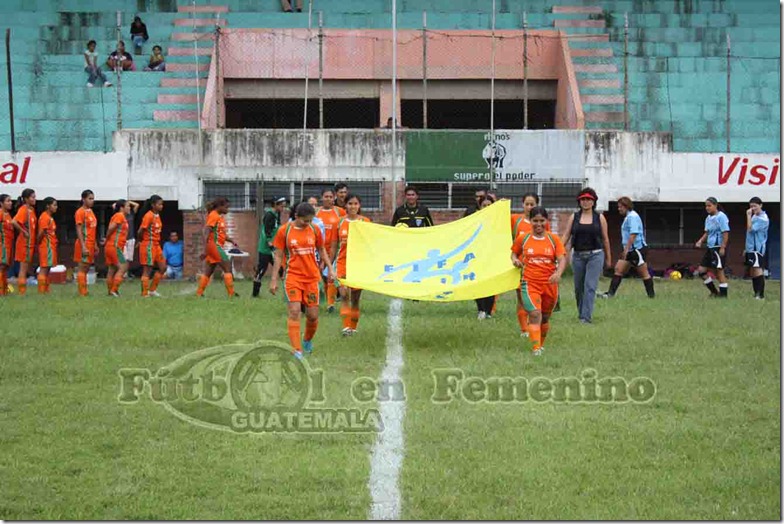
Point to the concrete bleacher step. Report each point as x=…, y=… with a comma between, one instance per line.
x=200, y=22
x=175, y=115
x=179, y=49
x=211, y=9
x=178, y=99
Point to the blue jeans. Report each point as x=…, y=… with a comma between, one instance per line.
x=138, y=41
x=95, y=73
x=587, y=267
x=174, y=273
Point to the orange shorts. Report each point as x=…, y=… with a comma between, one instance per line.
x=216, y=254
x=24, y=255
x=304, y=293
x=114, y=256
x=150, y=254
x=341, y=270
x=47, y=256
x=540, y=296
x=82, y=257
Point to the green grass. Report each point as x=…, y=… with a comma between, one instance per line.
x=706, y=447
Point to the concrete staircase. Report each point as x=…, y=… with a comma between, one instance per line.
x=595, y=65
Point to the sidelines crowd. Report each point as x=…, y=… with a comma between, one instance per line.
x=306, y=247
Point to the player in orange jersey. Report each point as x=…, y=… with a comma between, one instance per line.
x=213, y=254
x=25, y=225
x=543, y=259
x=330, y=215
x=85, y=247
x=150, y=252
x=521, y=225
x=6, y=240
x=349, y=307
x=46, y=240
x=114, y=247
x=298, y=242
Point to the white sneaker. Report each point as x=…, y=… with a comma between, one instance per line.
x=114, y=294
x=107, y=84
x=155, y=294
x=346, y=332
x=89, y=84
x=524, y=334
x=481, y=316
x=537, y=352
x=353, y=332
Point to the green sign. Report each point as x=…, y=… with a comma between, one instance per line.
x=511, y=156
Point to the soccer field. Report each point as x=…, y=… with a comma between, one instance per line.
x=706, y=446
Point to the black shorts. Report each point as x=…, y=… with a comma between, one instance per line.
x=754, y=259
x=637, y=257
x=713, y=259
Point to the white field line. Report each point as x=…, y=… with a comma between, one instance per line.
x=386, y=457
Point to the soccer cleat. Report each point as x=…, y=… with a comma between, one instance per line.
x=114, y=294
x=537, y=352
x=330, y=309
x=524, y=334
x=89, y=84
x=758, y=297
x=307, y=346
x=346, y=332
x=236, y=295
x=107, y=84
x=155, y=294
x=298, y=355
x=603, y=295
x=481, y=316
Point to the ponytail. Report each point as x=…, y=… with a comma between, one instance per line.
x=117, y=206
x=216, y=203
x=48, y=201
x=86, y=193
x=149, y=202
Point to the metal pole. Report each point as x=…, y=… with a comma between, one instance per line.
x=10, y=88
x=305, y=105
x=626, y=71
x=525, y=70
x=321, y=69
x=218, y=77
x=394, y=103
x=492, y=100
x=118, y=70
x=424, y=69
x=728, y=93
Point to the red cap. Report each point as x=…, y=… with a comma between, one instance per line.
x=586, y=195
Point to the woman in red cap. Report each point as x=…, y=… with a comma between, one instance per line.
x=586, y=232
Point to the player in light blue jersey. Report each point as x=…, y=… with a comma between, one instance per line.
x=757, y=224
x=635, y=250
x=716, y=236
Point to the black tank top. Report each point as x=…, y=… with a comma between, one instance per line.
x=586, y=237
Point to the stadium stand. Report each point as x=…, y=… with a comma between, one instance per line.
x=669, y=41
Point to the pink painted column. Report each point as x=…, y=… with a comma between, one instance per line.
x=385, y=103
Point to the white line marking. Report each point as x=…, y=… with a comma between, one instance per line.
x=387, y=456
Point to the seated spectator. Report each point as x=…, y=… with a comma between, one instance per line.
x=120, y=58
x=286, y=5
x=172, y=252
x=157, y=62
x=91, y=66
x=138, y=35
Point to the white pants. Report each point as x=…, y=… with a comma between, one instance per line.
x=130, y=244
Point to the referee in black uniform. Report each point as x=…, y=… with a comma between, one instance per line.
x=412, y=214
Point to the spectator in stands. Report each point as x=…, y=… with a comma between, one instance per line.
x=412, y=214
x=286, y=5
x=157, y=62
x=138, y=35
x=92, y=68
x=120, y=58
x=172, y=252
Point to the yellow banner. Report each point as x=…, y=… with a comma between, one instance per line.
x=461, y=260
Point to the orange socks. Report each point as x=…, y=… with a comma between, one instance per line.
x=354, y=317
x=535, y=334
x=522, y=319
x=228, y=279
x=545, y=329
x=332, y=293
x=3, y=283
x=43, y=285
x=81, y=280
x=293, y=326
x=345, y=312
x=22, y=285
x=118, y=280
x=203, y=282
x=310, y=328
x=156, y=279
x=145, y=286
x=109, y=284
